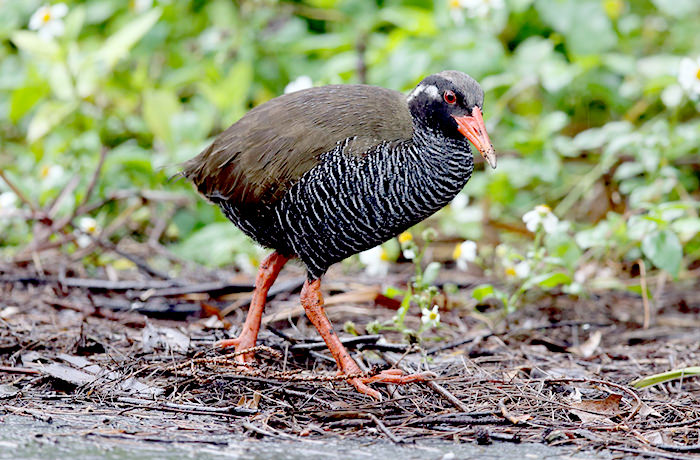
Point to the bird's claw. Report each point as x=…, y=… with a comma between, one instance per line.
x=241, y=344
x=390, y=376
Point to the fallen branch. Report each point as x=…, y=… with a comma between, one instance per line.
x=187, y=408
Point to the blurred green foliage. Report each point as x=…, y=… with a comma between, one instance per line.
x=583, y=103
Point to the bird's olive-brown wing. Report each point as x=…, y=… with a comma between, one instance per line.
x=257, y=159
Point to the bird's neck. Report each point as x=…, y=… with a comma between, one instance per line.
x=442, y=152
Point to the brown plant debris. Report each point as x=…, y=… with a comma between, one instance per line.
x=557, y=371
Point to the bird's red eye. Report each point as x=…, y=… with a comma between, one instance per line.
x=450, y=97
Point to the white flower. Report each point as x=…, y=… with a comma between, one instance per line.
x=459, y=202
x=87, y=226
x=464, y=253
x=140, y=6
x=408, y=247
x=8, y=201
x=47, y=20
x=520, y=270
x=501, y=251
x=476, y=8
x=83, y=240
x=462, y=212
x=430, y=318
x=541, y=215
x=375, y=261
x=672, y=96
x=51, y=175
x=300, y=83
x=689, y=76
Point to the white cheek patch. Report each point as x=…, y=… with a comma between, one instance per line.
x=430, y=90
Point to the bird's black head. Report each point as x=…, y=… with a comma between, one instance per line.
x=451, y=102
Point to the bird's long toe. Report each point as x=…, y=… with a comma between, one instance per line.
x=390, y=376
x=364, y=389
x=227, y=343
x=397, y=377
x=240, y=343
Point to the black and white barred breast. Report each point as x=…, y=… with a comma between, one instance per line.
x=348, y=204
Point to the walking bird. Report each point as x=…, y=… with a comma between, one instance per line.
x=327, y=172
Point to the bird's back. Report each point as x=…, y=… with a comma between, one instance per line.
x=256, y=161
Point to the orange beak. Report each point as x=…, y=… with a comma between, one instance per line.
x=473, y=128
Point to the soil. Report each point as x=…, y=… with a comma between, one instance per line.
x=135, y=356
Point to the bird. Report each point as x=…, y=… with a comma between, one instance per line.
x=326, y=172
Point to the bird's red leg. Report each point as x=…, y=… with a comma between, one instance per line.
x=267, y=274
x=312, y=301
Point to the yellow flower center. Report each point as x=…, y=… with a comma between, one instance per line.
x=46, y=17
x=432, y=315
x=457, y=253
x=697, y=74
x=384, y=255
x=44, y=172
x=454, y=3
x=510, y=271
x=405, y=237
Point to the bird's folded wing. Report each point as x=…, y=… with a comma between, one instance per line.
x=257, y=159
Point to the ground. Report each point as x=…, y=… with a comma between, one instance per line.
x=131, y=358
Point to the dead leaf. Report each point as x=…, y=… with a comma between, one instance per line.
x=513, y=418
x=81, y=371
x=509, y=375
x=587, y=348
x=8, y=391
x=653, y=437
x=166, y=337
x=647, y=411
x=597, y=410
x=250, y=403
x=6, y=312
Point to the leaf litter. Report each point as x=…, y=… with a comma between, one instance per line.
x=558, y=371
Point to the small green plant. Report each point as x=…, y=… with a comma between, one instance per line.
x=667, y=376
x=546, y=263
x=420, y=291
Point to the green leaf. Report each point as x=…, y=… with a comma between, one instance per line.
x=74, y=22
x=686, y=228
x=483, y=291
x=561, y=245
x=32, y=43
x=49, y=114
x=230, y=94
x=431, y=273
x=549, y=280
x=637, y=289
x=667, y=376
x=158, y=107
x=118, y=45
x=664, y=250
x=677, y=8
x=585, y=25
x=415, y=20
x=23, y=99
x=393, y=292
x=216, y=244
